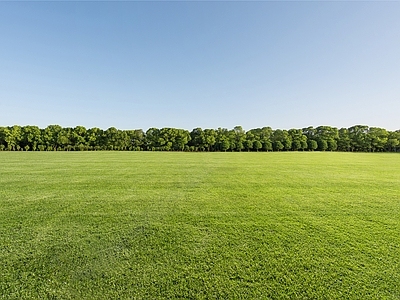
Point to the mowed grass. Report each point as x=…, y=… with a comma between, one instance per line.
x=152, y=225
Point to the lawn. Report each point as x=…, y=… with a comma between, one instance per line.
x=160, y=225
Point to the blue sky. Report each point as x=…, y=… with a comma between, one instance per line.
x=200, y=64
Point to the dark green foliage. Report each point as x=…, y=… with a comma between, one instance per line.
x=312, y=145
x=344, y=142
x=322, y=145
x=278, y=146
x=359, y=138
x=257, y=145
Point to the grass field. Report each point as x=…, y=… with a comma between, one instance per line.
x=151, y=225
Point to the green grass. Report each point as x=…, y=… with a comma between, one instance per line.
x=151, y=225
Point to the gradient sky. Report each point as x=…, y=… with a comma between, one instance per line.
x=200, y=64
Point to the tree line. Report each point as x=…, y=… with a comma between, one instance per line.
x=360, y=138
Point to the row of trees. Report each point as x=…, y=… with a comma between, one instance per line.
x=322, y=138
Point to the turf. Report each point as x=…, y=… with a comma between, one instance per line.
x=152, y=225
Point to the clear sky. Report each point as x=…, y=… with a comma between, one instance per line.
x=200, y=64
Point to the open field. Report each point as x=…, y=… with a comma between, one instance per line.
x=152, y=225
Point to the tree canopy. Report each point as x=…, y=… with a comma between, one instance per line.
x=322, y=138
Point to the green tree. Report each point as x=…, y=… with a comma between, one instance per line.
x=325, y=136
x=4, y=131
x=152, y=138
x=210, y=138
x=50, y=136
x=344, y=140
x=238, y=137
x=304, y=144
x=261, y=135
x=312, y=145
x=13, y=137
x=94, y=138
x=322, y=145
x=182, y=137
x=257, y=145
x=198, y=139
x=284, y=139
x=358, y=135
x=332, y=145
x=31, y=137
x=249, y=141
x=278, y=146
x=63, y=138
x=378, y=138
x=137, y=138
x=110, y=137
x=78, y=136
x=393, y=141
x=222, y=140
x=248, y=145
x=123, y=140
x=299, y=140
x=225, y=145
x=309, y=132
x=267, y=146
